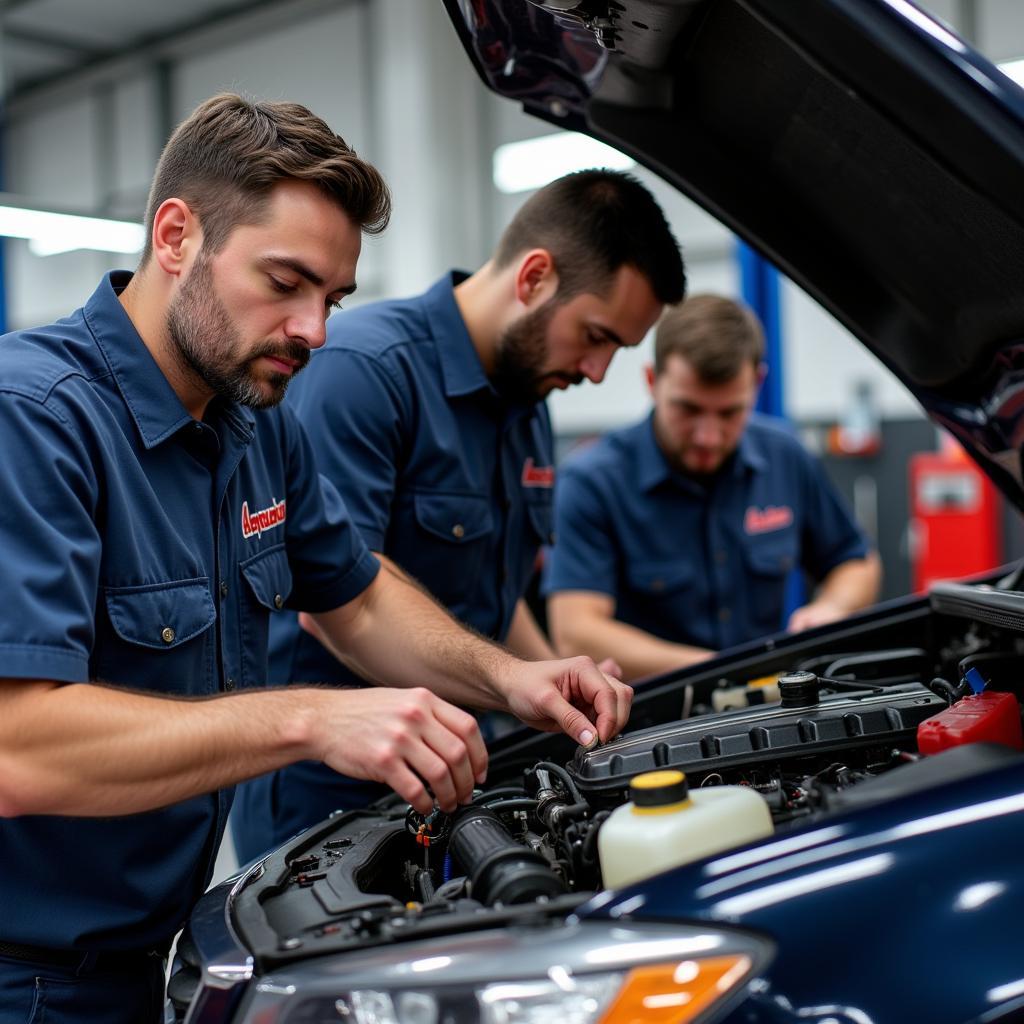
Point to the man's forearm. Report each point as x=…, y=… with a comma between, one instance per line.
x=576, y=628
x=525, y=638
x=852, y=585
x=86, y=749
x=396, y=633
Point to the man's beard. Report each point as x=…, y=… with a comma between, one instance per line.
x=522, y=350
x=676, y=458
x=207, y=344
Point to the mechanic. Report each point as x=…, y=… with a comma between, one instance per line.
x=428, y=415
x=675, y=536
x=157, y=511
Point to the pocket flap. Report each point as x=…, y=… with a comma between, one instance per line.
x=457, y=518
x=270, y=577
x=771, y=557
x=660, y=577
x=161, y=615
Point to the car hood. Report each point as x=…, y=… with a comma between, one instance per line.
x=867, y=151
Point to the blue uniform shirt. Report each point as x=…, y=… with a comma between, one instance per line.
x=696, y=564
x=436, y=470
x=438, y=473
x=148, y=550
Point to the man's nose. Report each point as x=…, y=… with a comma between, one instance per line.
x=308, y=326
x=594, y=365
x=707, y=432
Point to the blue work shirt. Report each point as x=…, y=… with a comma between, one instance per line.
x=437, y=471
x=694, y=563
x=147, y=550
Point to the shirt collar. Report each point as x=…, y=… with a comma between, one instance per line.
x=654, y=469
x=154, y=405
x=460, y=364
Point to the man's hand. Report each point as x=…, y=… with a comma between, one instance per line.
x=407, y=739
x=817, y=613
x=610, y=667
x=572, y=695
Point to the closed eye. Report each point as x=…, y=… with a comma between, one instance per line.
x=280, y=286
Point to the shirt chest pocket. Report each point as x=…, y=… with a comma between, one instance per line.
x=161, y=636
x=452, y=537
x=267, y=585
x=660, y=578
x=773, y=555
x=665, y=597
x=769, y=561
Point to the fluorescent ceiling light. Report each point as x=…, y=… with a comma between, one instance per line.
x=50, y=231
x=1013, y=69
x=532, y=163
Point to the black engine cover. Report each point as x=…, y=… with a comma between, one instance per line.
x=758, y=735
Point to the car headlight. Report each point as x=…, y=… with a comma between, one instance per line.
x=577, y=973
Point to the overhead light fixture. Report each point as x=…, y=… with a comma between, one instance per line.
x=51, y=231
x=1013, y=69
x=532, y=163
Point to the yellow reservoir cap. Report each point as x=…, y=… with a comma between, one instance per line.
x=659, y=789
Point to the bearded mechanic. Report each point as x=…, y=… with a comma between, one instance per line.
x=428, y=415
x=158, y=510
x=675, y=536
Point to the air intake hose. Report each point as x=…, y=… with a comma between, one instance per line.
x=500, y=869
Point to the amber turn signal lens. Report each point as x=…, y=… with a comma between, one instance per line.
x=675, y=993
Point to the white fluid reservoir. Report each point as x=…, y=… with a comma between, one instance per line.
x=666, y=824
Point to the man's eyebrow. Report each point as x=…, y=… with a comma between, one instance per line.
x=608, y=334
x=303, y=271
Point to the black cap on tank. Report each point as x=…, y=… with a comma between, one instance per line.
x=799, y=689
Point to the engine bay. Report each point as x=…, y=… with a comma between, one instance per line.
x=814, y=727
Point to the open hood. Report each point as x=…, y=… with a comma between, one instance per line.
x=866, y=150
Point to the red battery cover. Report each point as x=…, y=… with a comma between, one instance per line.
x=988, y=717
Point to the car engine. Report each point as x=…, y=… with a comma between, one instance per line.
x=825, y=731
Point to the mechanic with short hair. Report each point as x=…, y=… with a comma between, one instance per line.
x=428, y=415
x=157, y=512
x=675, y=536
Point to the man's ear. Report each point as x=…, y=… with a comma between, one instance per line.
x=649, y=374
x=762, y=373
x=177, y=236
x=536, y=279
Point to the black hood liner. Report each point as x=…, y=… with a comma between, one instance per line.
x=871, y=156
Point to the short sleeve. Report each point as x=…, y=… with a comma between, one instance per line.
x=352, y=411
x=329, y=559
x=584, y=555
x=50, y=542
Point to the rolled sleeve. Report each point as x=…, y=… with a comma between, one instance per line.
x=50, y=541
x=584, y=553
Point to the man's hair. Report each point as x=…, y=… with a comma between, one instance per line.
x=715, y=335
x=594, y=222
x=228, y=155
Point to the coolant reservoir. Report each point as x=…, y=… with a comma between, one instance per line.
x=667, y=824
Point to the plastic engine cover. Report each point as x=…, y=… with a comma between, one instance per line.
x=752, y=736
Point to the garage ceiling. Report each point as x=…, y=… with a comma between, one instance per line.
x=45, y=41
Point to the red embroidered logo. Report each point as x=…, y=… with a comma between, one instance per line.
x=538, y=476
x=764, y=520
x=265, y=519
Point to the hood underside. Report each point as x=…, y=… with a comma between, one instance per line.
x=868, y=152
